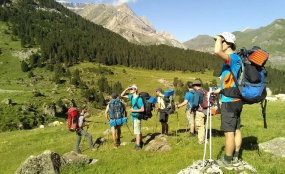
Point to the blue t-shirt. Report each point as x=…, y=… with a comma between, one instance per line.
x=189, y=97
x=227, y=79
x=135, y=106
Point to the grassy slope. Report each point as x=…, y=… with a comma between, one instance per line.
x=17, y=146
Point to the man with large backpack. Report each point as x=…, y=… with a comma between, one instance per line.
x=161, y=108
x=115, y=110
x=188, y=100
x=198, y=110
x=137, y=107
x=231, y=107
x=80, y=131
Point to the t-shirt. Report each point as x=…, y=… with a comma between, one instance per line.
x=226, y=78
x=135, y=106
x=189, y=97
x=161, y=101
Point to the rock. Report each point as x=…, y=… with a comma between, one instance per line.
x=7, y=101
x=48, y=163
x=41, y=126
x=50, y=110
x=73, y=158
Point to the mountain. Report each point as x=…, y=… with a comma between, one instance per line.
x=122, y=20
x=270, y=38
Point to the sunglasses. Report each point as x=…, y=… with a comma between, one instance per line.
x=133, y=89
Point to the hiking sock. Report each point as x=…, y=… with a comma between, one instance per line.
x=236, y=154
x=228, y=158
x=138, y=145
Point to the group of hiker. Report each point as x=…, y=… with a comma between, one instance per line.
x=231, y=107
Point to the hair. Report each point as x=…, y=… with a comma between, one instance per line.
x=190, y=84
x=232, y=45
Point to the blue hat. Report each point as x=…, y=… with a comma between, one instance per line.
x=158, y=89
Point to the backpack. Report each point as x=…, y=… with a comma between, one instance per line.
x=169, y=102
x=116, y=113
x=148, y=105
x=72, y=119
x=208, y=100
x=251, y=77
x=250, y=83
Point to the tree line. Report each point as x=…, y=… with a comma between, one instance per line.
x=66, y=38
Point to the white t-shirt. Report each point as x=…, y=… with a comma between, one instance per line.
x=161, y=101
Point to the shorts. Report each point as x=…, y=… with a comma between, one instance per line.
x=163, y=117
x=230, y=116
x=190, y=117
x=137, y=127
x=114, y=128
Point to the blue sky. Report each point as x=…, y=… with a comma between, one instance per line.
x=186, y=19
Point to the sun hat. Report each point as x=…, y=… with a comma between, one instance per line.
x=197, y=82
x=158, y=89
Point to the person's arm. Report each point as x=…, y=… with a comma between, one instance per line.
x=140, y=105
x=219, y=48
x=182, y=104
x=80, y=121
x=123, y=94
x=106, y=113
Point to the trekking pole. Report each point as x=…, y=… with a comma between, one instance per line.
x=263, y=107
x=130, y=130
x=207, y=122
x=156, y=122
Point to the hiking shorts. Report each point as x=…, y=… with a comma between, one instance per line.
x=114, y=128
x=163, y=117
x=190, y=117
x=137, y=127
x=230, y=116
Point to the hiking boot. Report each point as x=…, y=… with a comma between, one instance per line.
x=222, y=162
x=236, y=162
x=79, y=152
x=136, y=148
x=116, y=145
x=192, y=135
x=118, y=141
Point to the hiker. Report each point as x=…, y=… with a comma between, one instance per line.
x=115, y=129
x=198, y=111
x=137, y=107
x=188, y=100
x=161, y=108
x=231, y=107
x=80, y=131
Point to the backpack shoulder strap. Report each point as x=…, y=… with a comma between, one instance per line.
x=136, y=102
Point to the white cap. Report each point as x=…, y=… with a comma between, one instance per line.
x=135, y=87
x=229, y=37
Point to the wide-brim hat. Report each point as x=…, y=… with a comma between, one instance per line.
x=197, y=82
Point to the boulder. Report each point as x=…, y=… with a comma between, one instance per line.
x=46, y=163
x=72, y=157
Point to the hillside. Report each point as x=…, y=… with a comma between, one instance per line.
x=122, y=20
x=270, y=38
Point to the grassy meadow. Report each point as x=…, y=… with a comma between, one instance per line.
x=17, y=146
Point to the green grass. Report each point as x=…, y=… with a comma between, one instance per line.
x=16, y=146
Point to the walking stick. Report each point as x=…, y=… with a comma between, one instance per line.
x=129, y=130
x=156, y=122
x=208, y=116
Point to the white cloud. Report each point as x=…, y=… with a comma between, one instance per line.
x=115, y=2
